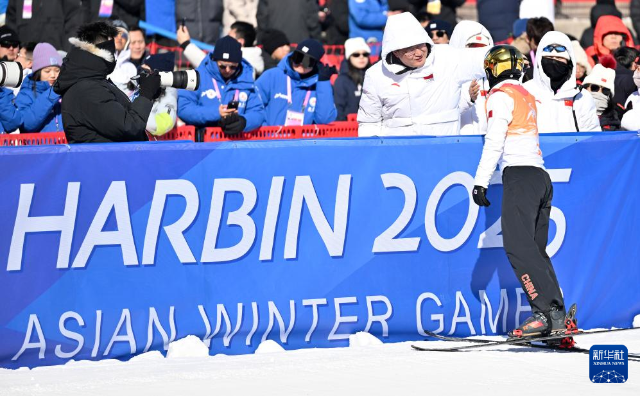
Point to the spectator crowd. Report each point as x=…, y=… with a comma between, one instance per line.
x=407, y=67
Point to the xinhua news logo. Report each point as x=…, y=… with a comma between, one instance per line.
x=609, y=364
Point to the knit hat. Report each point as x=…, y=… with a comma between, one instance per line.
x=227, y=49
x=44, y=55
x=581, y=56
x=272, y=40
x=437, y=24
x=519, y=27
x=602, y=76
x=9, y=35
x=356, y=44
x=312, y=48
x=120, y=24
x=161, y=62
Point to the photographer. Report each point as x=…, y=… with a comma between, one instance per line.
x=93, y=108
x=227, y=96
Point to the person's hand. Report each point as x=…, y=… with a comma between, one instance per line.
x=474, y=90
x=150, y=85
x=325, y=72
x=225, y=112
x=182, y=35
x=233, y=124
x=480, y=196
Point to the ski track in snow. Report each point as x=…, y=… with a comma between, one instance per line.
x=389, y=369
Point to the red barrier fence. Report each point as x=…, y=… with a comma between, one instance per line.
x=337, y=129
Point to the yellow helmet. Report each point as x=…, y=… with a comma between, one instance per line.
x=503, y=62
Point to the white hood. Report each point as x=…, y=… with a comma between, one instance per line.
x=539, y=75
x=402, y=31
x=466, y=29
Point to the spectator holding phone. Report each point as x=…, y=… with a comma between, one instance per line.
x=298, y=91
x=227, y=96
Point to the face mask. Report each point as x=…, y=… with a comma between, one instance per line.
x=602, y=101
x=557, y=71
x=636, y=77
x=110, y=46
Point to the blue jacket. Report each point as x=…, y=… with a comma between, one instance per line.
x=200, y=108
x=367, y=18
x=272, y=83
x=41, y=111
x=10, y=117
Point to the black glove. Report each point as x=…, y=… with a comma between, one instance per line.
x=233, y=124
x=149, y=85
x=480, y=196
x=325, y=72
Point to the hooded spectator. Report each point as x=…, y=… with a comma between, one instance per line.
x=583, y=67
x=51, y=21
x=38, y=104
x=203, y=18
x=600, y=85
x=238, y=10
x=439, y=31
x=561, y=106
x=298, y=91
x=348, y=86
x=415, y=88
x=498, y=17
x=275, y=46
x=93, y=108
x=129, y=11
x=473, y=117
x=245, y=33
x=367, y=19
x=298, y=19
x=609, y=35
x=224, y=77
x=124, y=70
x=601, y=8
x=627, y=59
x=9, y=44
x=164, y=112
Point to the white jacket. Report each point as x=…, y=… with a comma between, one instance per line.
x=538, y=8
x=239, y=10
x=423, y=101
x=123, y=72
x=556, y=111
x=473, y=118
x=631, y=119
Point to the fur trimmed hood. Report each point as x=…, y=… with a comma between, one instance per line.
x=92, y=49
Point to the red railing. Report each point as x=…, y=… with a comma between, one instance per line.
x=337, y=129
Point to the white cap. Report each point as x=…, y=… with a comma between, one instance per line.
x=353, y=45
x=602, y=76
x=478, y=39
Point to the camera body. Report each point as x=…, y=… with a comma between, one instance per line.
x=10, y=74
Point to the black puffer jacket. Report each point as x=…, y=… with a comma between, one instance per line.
x=52, y=21
x=94, y=110
x=203, y=18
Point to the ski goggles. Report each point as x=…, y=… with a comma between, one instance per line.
x=597, y=88
x=299, y=58
x=555, y=47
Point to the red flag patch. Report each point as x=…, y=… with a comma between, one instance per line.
x=568, y=102
x=490, y=114
x=429, y=77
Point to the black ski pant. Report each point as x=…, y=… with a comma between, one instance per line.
x=526, y=208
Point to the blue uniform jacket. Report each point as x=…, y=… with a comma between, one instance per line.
x=272, y=83
x=200, y=108
x=40, y=111
x=10, y=118
x=367, y=19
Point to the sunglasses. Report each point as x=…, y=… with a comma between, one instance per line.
x=360, y=54
x=555, y=47
x=298, y=58
x=597, y=88
x=123, y=35
x=438, y=33
x=9, y=44
x=227, y=67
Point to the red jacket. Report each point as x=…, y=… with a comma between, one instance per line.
x=606, y=24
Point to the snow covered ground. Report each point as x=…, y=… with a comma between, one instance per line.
x=366, y=367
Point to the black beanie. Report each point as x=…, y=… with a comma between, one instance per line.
x=272, y=40
x=227, y=49
x=312, y=48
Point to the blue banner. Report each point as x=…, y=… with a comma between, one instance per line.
x=115, y=249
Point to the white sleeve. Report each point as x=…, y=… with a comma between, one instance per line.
x=473, y=65
x=465, y=99
x=500, y=114
x=585, y=108
x=194, y=55
x=631, y=120
x=370, y=109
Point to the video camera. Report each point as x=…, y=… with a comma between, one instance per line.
x=10, y=74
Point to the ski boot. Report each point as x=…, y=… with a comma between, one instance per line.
x=536, y=326
x=563, y=324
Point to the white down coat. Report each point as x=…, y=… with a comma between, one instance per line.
x=555, y=111
x=423, y=101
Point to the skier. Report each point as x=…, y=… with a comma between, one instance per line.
x=512, y=137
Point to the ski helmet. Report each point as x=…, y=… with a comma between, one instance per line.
x=503, y=62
